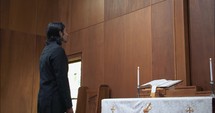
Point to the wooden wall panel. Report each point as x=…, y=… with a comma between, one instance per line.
x=84, y=13
x=77, y=39
x=181, y=41
x=89, y=42
x=93, y=56
x=63, y=9
x=163, y=55
x=96, y=12
x=78, y=14
x=202, y=40
x=4, y=21
x=133, y=5
x=116, y=8
x=127, y=45
x=156, y=1
x=56, y=10
x=17, y=71
x=16, y=17
x=114, y=52
x=40, y=43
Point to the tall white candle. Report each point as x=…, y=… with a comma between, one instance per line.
x=211, y=69
x=138, y=76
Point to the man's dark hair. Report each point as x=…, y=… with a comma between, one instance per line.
x=53, y=31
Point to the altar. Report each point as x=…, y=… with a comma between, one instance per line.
x=203, y=104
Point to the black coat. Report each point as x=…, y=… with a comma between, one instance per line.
x=54, y=93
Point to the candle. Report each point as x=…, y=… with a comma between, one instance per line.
x=138, y=76
x=211, y=70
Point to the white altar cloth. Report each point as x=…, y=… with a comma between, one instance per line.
x=158, y=105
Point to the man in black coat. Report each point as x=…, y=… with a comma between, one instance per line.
x=54, y=93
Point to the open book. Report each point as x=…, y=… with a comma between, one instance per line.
x=163, y=83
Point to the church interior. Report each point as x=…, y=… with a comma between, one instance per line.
x=121, y=44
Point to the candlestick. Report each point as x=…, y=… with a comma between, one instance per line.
x=138, y=82
x=212, y=88
x=211, y=70
x=211, y=76
x=138, y=76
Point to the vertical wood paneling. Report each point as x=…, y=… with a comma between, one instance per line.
x=40, y=43
x=4, y=18
x=45, y=15
x=85, y=13
x=138, y=48
x=156, y=1
x=96, y=11
x=181, y=41
x=77, y=39
x=202, y=40
x=93, y=56
x=127, y=46
x=63, y=8
x=16, y=17
x=17, y=72
x=133, y=5
x=114, y=52
x=82, y=14
x=78, y=14
x=163, y=41
x=116, y=8
x=90, y=42
x=56, y=10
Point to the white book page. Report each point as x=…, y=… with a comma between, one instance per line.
x=169, y=83
x=161, y=83
x=155, y=82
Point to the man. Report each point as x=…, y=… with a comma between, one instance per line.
x=54, y=93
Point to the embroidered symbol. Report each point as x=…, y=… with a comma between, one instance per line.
x=147, y=108
x=189, y=110
x=113, y=109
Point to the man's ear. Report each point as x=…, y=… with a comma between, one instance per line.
x=61, y=33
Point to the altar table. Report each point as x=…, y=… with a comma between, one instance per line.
x=159, y=105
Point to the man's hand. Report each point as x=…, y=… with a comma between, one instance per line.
x=70, y=110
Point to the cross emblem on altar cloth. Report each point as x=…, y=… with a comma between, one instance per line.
x=147, y=108
x=113, y=109
x=189, y=110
